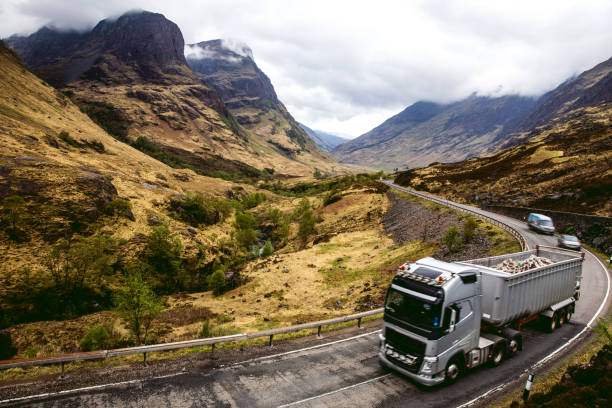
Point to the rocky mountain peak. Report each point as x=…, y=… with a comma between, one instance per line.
x=136, y=46
x=229, y=67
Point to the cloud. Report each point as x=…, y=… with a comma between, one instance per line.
x=345, y=66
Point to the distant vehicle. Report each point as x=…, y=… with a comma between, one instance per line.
x=568, y=241
x=541, y=223
x=442, y=319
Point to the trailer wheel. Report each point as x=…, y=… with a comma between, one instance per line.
x=498, y=354
x=551, y=323
x=568, y=314
x=453, y=370
x=561, y=318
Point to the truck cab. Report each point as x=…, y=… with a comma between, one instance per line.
x=432, y=317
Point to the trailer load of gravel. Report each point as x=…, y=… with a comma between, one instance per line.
x=551, y=275
x=532, y=262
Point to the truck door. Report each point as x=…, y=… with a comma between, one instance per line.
x=457, y=328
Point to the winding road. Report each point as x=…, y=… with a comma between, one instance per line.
x=341, y=373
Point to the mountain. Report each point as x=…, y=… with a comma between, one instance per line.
x=131, y=77
x=559, y=155
x=68, y=170
x=229, y=67
x=564, y=166
x=591, y=88
x=427, y=132
x=325, y=141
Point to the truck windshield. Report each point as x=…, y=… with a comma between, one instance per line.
x=413, y=310
x=545, y=223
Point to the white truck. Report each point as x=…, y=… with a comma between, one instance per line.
x=442, y=318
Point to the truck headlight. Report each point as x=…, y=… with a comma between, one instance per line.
x=430, y=365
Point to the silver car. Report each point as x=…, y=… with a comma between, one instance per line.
x=568, y=241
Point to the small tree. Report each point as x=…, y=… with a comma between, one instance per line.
x=317, y=174
x=469, y=229
x=216, y=282
x=205, y=330
x=163, y=253
x=96, y=338
x=13, y=207
x=452, y=239
x=267, y=249
x=307, y=225
x=137, y=305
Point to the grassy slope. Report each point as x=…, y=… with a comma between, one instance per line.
x=32, y=114
x=565, y=167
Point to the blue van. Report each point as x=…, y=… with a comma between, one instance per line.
x=541, y=223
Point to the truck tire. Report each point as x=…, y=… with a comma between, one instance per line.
x=550, y=323
x=452, y=371
x=568, y=314
x=514, y=345
x=498, y=354
x=561, y=317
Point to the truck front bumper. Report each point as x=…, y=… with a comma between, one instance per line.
x=425, y=380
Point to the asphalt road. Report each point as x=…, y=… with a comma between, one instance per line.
x=343, y=374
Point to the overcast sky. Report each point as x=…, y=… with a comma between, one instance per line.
x=346, y=66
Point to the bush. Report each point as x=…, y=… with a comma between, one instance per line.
x=205, y=331
x=118, y=206
x=253, y=200
x=96, y=338
x=469, y=229
x=245, y=220
x=69, y=140
x=307, y=226
x=245, y=237
x=331, y=197
x=216, y=282
x=452, y=239
x=7, y=350
x=267, y=249
x=197, y=209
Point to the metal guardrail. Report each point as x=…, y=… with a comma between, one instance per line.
x=458, y=207
x=211, y=341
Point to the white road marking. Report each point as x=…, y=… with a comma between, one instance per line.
x=93, y=387
x=102, y=386
x=348, y=387
x=306, y=348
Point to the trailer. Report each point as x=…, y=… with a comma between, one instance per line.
x=443, y=318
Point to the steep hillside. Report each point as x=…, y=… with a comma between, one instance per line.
x=565, y=166
x=130, y=75
x=229, y=67
x=427, y=132
x=576, y=95
x=324, y=140
x=68, y=170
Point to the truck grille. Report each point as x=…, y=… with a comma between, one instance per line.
x=404, y=343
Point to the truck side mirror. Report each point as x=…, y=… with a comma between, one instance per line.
x=451, y=327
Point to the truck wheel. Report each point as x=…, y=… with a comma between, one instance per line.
x=513, y=346
x=550, y=323
x=568, y=314
x=561, y=318
x=498, y=355
x=452, y=372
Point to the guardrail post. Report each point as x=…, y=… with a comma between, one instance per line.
x=62, y=376
x=359, y=323
x=144, y=359
x=270, y=344
x=212, y=348
x=319, y=332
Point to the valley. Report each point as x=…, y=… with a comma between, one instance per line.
x=156, y=191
